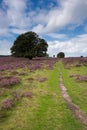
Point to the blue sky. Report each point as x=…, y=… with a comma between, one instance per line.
x=62, y=23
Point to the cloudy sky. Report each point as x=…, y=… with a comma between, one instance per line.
x=62, y=23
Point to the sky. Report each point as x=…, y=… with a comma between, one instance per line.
x=62, y=23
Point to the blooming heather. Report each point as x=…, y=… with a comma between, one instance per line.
x=9, y=81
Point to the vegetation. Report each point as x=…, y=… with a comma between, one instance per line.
x=31, y=99
x=29, y=45
x=60, y=55
x=75, y=79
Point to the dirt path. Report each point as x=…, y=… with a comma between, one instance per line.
x=77, y=112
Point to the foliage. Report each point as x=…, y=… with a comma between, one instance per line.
x=81, y=78
x=29, y=45
x=34, y=105
x=78, y=65
x=27, y=94
x=75, y=80
x=60, y=55
x=7, y=104
x=9, y=81
x=42, y=79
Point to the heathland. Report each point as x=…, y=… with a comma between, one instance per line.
x=30, y=94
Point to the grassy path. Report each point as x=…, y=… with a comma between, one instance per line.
x=77, y=112
x=77, y=90
x=52, y=113
x=46, y=110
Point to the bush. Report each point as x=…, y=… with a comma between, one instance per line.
x=60, y=55
x=43, y=79
x=7, y=104
x=27, y=94
x=9, y=81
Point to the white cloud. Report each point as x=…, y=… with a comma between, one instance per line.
x=5, y=47
x=4, y=20
x=3, y=31
x=70, y=12
x=18, y=31
x=13, y=13
x=57, y=36
x=15, y=19
x=38, y=28
x=74, y=47
x=16, y=11
x=39, y=20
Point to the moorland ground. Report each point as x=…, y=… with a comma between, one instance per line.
x=30, y=96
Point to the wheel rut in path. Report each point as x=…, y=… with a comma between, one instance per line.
x=77, y=112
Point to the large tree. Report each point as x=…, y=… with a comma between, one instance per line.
x=29, y=45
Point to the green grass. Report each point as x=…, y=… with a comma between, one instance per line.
x=46, y=110
x=77, y=90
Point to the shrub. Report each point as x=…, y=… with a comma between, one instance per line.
x=7, y=104
x=82, y=78
x=79, y=78
x=74, y=75
x=9, y=81
x=27, y=94
x=43, y=79
x=30, y=79
x=60, y=55
x=78, y=65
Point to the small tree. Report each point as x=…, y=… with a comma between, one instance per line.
x=53, y=56
x=29, y=45
x=81, y=56
x=60, y=55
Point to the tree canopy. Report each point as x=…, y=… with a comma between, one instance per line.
x=60, y=55
x=29, y=45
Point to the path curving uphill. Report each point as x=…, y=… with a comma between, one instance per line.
x=77, y=112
